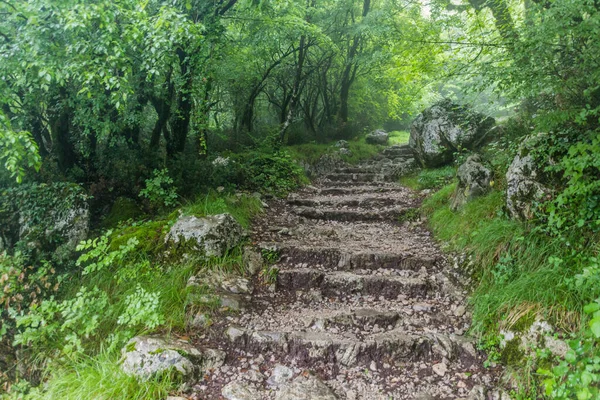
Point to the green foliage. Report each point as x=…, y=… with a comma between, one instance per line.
x=578, y=375
x=515, y=265
x=399, y=137
x=23, y=286
x=310, y=153
x=73, y=325
x=18, y=150
x=101, y=378
x=123, y=209
x=159, y=190
x=429, y=178
x=243, y=208
x=149, y=236
x=578, y=204
x=273, y=173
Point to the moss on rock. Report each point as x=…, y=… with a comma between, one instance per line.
x=122, y=209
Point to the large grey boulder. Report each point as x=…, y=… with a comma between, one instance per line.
x=146, y=357
x=524, y=185
x=445, y=128
x=378, y=136
x=212, y=235
x=305, y=388
x=474, y=180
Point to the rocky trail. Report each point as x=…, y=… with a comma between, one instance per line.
x=365, y=306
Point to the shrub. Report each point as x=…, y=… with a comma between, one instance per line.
x=274, y=173
x=31, y=213
x=159, y=190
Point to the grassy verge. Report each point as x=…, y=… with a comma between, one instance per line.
x=100, y=378
x=128, y=283
x=522, y=273
x=311, y=152
x=399, y=137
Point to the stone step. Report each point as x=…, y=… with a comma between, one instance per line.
x=357, y=170
x=388, y=347
x=336, y=283
x=356, y=177
x=326, y=183
x=372, y=201
x=351, y=214
x=354, y=314
x=403, y=150
x=341, y=191
x=343, y=259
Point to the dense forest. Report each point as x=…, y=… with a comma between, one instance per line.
x=118, y=117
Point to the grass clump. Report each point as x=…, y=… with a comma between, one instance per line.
x=243, y=207
x=310, y=153
x=429, y=178
x=101, y=378
x=516, y=265
x=399, y=137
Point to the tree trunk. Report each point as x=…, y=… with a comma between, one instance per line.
x=347, y=74
x=60, y=121
x=180, y=123
x=296, y=88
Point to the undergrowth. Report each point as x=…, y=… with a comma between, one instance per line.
x=101, y=378
x=399, y=137
x=429, y=178
x=311, y=152
x=126, y=283
x=522, y=272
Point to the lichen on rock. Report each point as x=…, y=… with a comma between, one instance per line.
x=146, y=357
x=212, y=235
x=474, y=180
x=445, y=128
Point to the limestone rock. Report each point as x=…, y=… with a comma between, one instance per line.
x=440, y=369
x=324, y=165
x=342, y=144
x=239, y=391
x=234, y=333
x=65, y=218
x=305, y=388
x=378, y=136
x=236, y=285
x=539, y=335
x=148, y=356
x=443, y=129
x=345, y=152
x=199, y=321
x=474, y=180
x=280, y=375
x=252, y=259
x=212, y=235
x=523, y=184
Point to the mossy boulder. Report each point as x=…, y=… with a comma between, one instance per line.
x=212, y=235
x=149, y=234
x=474, y=180
x=378, y=136
x=446, y=128
x=48, y=218
x=523, y=339
x=525, y=179
x=147, y=357
x=122, y=209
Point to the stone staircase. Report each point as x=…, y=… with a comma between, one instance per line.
x=362, y=299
